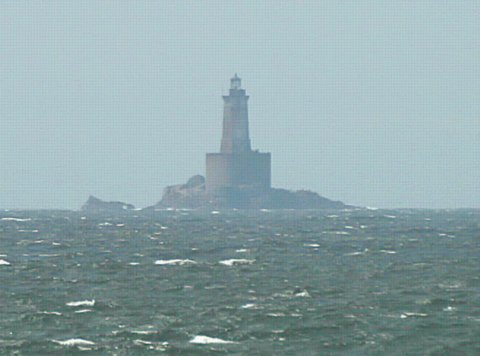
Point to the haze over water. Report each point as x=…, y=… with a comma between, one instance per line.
x=374, y=103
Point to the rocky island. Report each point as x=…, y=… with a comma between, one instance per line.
x=237, y=177
x=96, y=205
x=193, y=195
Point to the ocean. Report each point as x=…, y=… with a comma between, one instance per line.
x=177, y=282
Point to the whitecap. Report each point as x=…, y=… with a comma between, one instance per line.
x=304, y=293
x=88, y=303
x=390, y=252
x=4, y=263
x=408, y=314
x=242, y=250
x=174, y=262
x=143, y=332
x=203, y=340
x=275, y=315
x=234, y=261
x=74, y=342
x=81, y=311
x=311, y=245
x=454, y=285
x=214, y=212
x=51, y=313
x=358, y=253
x=15, y=219
x=250, y=306
x=152, y=345
x=133, y=263
x=84, y=348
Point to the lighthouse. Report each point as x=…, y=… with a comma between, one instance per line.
x=235, y=137
x=236, y=169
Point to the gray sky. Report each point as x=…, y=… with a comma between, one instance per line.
x=375, y=103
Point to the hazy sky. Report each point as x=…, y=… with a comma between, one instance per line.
x=375, y=103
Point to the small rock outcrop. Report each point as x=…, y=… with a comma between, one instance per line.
x=94, y=204
x=190, y=195
x=193, y=195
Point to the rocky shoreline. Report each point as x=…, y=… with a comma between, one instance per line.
x=193, y=195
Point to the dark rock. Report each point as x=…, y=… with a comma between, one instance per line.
x=94, y=204
x=195, y=181
x=192, y=195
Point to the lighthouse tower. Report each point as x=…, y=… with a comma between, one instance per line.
x=236, y=168
x=235, y=138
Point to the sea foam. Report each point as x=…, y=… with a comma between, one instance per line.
x=174, y=262
x=203, y=340
x=51, y=313
x=74, y=342
x=15, y=219
x=88, y=303
x=234, y=261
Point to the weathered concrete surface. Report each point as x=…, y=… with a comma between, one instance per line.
x=226, y=170
x=236, y=166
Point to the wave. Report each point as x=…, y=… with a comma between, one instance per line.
x=174, y=262
x=15, y=219
x=203, y=340
x=74, y=342
x=88, y=303
x=234, y=261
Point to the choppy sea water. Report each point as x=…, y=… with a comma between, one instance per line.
x=240, y=283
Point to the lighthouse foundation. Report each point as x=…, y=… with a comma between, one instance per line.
x=248, y=170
